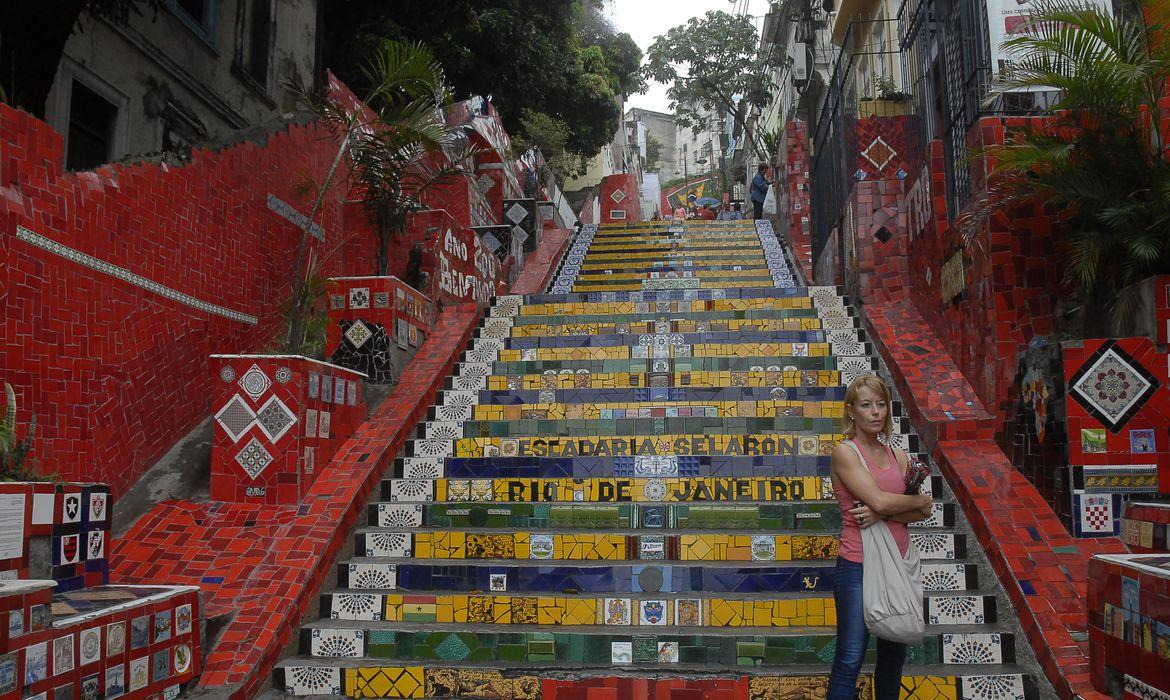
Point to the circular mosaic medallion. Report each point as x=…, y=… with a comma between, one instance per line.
x=227, y=374
x=182, y=658
x=655, y=490
x=284, y=375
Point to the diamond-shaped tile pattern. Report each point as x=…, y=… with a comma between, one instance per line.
x=1112, y=386
x=235, y=417
x=275, y=419
x=254, y=458
x=254, y=382
x=358, y=334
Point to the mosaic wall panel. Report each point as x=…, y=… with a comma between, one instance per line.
x=279, y=421
x=1116, y=406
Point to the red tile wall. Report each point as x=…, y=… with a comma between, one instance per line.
x=627, y=184
x=298, y=457
x=796, y=182
x=114, y=373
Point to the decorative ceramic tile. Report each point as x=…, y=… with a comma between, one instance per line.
x=359, y=298
x=668, y=652
x=621, y=652
x=617, y=611
x=372, y=576
x=235, y=417
x=652, y=612
x=312, y=680
x=358, y=333
x=254, y=382
x=763, y=548
x=275, y=418
x=955, y=610
x=334, y=643
x=254, y=459
x=393, y=545
x=1096, y=513
x=355, y=606
x=972, y=649
x=541, y=547
x=1112, y=386
x=1143, y=691
x=63, y=654
x=399, y=515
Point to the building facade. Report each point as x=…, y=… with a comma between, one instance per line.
x=192, y=72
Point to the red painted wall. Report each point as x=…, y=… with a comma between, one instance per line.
x=115, y=373
x=627, y=206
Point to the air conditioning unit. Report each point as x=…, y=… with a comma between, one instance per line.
x=799, y=56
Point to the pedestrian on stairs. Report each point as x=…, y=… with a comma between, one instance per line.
x=869, y=480
x=760, y=185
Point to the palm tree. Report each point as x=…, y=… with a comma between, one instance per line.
x=1100, y=155
x=395, y=156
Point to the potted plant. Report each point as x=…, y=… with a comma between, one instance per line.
x=890, y=100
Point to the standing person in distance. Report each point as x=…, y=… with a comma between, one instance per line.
x=760, y=185
x=869, y=480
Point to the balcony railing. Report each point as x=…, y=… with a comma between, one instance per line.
x=868, y=78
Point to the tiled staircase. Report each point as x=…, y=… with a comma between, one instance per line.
x=624, y=494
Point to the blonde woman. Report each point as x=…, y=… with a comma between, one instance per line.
x=869, y=482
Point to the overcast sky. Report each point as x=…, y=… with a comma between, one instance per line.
x=646, y=19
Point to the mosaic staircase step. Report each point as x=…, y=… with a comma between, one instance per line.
x=452, y=397
x=624, y=467
x=486, y=643
x=959, y=614
x=382, y=541
x=604, y=423
x=533, y=347
x=357, y=678
x=805, y=297
x=605, y=326
x=654, y=444
x=751, y=370
x=547, y=645
x=653, y=380
x=587, y=323
x=790, y=518
x=613, y=490
x=811, y=341
x=736, y=274
x=634, y=468
x=741, y=578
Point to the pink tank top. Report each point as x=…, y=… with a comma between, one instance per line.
x=890, y=479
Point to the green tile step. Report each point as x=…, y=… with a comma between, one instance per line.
x=786, y=518
x=493, y=643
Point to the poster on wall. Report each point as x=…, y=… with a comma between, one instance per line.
x=1007, y=20
x=11, y=525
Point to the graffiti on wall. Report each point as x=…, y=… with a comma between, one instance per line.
x=467, y=270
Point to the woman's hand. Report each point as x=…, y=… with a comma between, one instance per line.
x=864, y=516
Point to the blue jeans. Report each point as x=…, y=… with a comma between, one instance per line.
x=853, y=639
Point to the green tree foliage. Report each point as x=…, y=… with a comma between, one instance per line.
x=1098, y=157
x=707, y=62
x=550, y=135
x=559, y=58
x=395, y=158
x=653, y=153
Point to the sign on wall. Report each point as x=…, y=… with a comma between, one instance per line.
x=1006, y=20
